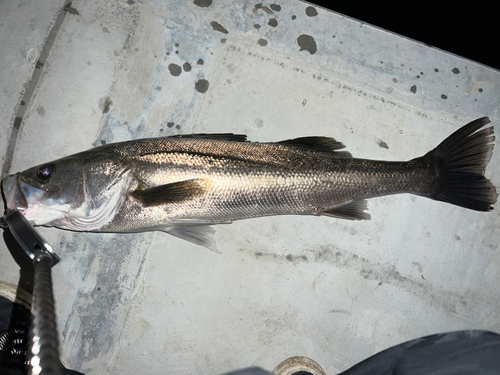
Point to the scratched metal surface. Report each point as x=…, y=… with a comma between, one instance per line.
x=331, y=290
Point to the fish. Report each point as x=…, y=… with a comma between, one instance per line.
x=185, y=184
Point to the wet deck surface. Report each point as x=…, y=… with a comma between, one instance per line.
x=331, y=290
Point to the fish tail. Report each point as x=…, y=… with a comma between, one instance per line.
x=460, y=161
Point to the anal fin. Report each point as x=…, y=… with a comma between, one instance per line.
x=354, y=210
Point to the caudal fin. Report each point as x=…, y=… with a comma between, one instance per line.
x=460, y=161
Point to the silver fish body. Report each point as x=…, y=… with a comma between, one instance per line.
x=183, y=184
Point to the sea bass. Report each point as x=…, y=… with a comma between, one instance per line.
x=183, y=184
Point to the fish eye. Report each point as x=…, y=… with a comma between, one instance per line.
x=45, y=172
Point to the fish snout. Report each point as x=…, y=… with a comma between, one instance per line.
x=13, y=195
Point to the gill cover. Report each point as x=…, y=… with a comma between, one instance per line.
x=106, y=179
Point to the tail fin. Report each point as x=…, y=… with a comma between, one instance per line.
x=460, y=161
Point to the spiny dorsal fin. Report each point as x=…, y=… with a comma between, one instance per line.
x=350, y=211
x=325, y=144
x=219, y=136
x=171, y=193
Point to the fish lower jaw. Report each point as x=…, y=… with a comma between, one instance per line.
x=40, y=215
x=14, y=208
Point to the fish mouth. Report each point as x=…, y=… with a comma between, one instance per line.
x=13, y=197
x=31, y=202
x=13, y=194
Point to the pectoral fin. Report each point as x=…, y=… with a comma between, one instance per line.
x=171, y=193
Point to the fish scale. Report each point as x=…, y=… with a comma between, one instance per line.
x=319, y=183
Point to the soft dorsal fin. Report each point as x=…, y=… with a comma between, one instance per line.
x=171, y=193
x=325, y=144
x=219, y=136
